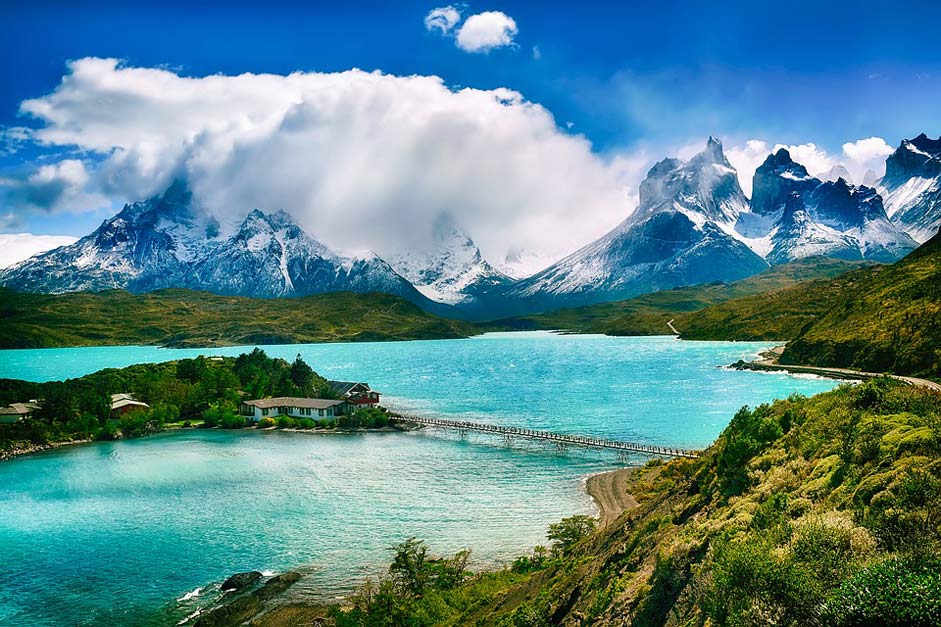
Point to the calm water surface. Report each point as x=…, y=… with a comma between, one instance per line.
x=111, y=533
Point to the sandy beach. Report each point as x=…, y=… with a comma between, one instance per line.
x=609, y=490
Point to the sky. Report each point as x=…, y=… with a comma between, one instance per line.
x=531, y=123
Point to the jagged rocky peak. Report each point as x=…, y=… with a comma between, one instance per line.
x=705, y=187
x=920, y=156
x=911, y=186
x=776, y=179
x=841, y=205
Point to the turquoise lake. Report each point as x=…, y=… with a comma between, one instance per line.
x=125, y=533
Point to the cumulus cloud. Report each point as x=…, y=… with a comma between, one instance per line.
x=15, y=247
x=485, y=31
x=858, y=157
x=363, y=160
x=52, y=187
x=442, y=19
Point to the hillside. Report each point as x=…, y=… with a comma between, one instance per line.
x=648, y=314
x=882, y=319
x=809, y=511
x=176, y=317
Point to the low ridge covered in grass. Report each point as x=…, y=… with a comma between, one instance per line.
x=177, y=317
x=881, y=319
x=649, y=314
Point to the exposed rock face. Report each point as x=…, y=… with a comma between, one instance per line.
x=238, y=581
x=776, y=179
x=795, y=215
x=911, y=186
x=243, y=608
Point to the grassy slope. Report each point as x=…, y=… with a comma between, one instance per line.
x=648, y=314
x=186, y=318
x=882, y=319
x=787, y=519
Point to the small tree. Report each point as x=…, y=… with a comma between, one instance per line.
x=570, y=531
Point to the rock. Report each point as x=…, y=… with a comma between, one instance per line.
x=240, y=580
x=243, y=608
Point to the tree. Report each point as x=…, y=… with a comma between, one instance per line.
x=302, y=375
x=569, y=531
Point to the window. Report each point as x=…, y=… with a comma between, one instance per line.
x=320, y=412
x=264, y=412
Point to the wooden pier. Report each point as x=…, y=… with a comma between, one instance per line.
x=560, y=439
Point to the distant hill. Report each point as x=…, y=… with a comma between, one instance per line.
x=883, y=319
x=178, y=317
x=649, y=314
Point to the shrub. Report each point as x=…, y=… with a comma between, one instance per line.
x=748, y=434
x=902, y=592
x=266, y=423
x=286, y=422
x=306, y=423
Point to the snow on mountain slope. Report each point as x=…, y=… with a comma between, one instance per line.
x=167, y=242
x=795, y=215
x=677, y=236
x=450, y=269
x=911, y=186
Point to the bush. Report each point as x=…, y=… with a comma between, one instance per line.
x=898, y=592
x=529, y=563
x=306, y=423
x=286, y=422
x=748, y=434
x=266, y=423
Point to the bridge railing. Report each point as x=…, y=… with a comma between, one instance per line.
x=578, y=440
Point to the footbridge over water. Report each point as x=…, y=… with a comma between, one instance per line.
x=561, y=439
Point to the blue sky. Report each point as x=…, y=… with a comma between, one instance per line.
x=629, y=77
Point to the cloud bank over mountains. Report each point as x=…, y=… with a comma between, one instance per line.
x=363, y=160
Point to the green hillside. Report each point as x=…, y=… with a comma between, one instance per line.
x=649, y=314
x=881, y=319
x=809, y=511
x=178, y=317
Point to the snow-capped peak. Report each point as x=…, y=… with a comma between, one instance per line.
x=450, y=268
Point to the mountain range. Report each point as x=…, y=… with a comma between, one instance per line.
x=693, y=224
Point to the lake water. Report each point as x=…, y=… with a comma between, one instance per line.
x=112, y=533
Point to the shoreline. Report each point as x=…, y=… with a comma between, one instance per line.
x=768, y=361
x=31, y=449
x=609, y=492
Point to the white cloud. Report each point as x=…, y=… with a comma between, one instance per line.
x=485, y=31
x=363, y=160
x=16, y=247
x=746, y=159
x=442, y=19
x=537, y=53
x=866, y=154
x=52, y=187
x=809, y=155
